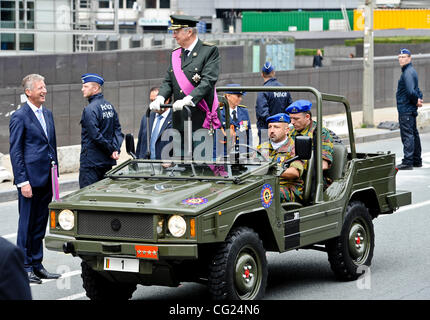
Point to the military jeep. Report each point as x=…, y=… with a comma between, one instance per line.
x=155, y=223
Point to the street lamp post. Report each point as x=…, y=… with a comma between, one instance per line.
x=368, y=70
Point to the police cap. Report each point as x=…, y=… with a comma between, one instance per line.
x=235, y=92
x=181, y=21
x=280, y=117
x=404, y=51
x=267, y=67
x=92, y=77
x=299, y=106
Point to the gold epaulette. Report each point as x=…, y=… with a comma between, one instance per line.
x=241, y=105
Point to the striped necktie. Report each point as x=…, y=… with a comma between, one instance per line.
x=41, y=119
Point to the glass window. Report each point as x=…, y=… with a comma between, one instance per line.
x=7, y=41
x=103, y=3
x=7, y=14
x=129, y=4
x=26, y=42
x=151, y=4
x=165, y=4
x=26, y=15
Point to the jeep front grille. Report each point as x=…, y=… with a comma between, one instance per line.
x=115, y=225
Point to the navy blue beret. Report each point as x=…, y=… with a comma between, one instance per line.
x=235, y=92
x=280, y=117
x=92, y=77
x=267, y=68
x=299, y=106
x=404, y=51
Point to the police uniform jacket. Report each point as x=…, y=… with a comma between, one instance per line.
x=201, y=68
x=271, y=103
x=408, y=91
x=101, y=133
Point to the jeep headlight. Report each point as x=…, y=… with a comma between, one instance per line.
x=66, y=219
x=177, y=226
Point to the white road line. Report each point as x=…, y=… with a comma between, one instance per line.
x=74, y=296
x=64, y=275
x=414, y=206
x=8, y=236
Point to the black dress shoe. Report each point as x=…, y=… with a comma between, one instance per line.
x=403, y=166
x=43, y=274
x=32, y=278
x=418, y=165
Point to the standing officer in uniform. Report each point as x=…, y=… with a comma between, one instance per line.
x=270, y=103
x=240, y=122
x=301, y=118
x=191, y=77
x=158, y=121
x=409, y=98
x=281, y=147
x=33, y=148
x=101, y=136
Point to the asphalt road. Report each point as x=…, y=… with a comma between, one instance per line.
x=399, y=268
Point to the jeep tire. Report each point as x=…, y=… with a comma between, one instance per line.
x=353, y=249
x=238, y=269
x=99, y=288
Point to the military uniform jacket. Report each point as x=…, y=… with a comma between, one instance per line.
x=101, y=133
x=201, y=68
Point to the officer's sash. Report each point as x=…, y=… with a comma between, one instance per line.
x=211, y=120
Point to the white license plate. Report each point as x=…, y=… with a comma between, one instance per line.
x=121, y=264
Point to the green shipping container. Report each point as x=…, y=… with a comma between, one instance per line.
x=280, y=21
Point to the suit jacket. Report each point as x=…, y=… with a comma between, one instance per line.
x=203, y=61
x=142, y=145
x=31, y=151
x=13, y=279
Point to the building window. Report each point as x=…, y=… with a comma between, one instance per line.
x=128, y=4
x=7, y=14
x=7, y=41
x=26, y=15
x=26, y=42
x=164, y=4
x=151, y=4
x=104, y=4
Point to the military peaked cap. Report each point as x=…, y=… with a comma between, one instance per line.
x=180, y=21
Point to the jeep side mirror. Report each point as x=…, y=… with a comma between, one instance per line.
x=129, y=145
x=303, y=146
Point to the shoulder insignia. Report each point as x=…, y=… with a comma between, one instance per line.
x=208, y=43
x=242, y=106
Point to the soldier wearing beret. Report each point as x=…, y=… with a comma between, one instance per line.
x=301, y=119
x=270, y=103
x=281, y=147
x=240, y=122
x=191, y=77
x=101, y=136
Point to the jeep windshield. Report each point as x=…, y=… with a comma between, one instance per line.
x=147, y=169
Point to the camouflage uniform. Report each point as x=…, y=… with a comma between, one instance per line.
x=327, y=144
x=290, y=190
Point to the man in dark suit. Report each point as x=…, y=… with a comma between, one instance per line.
x=13, y=279
x=159, y=121
x=191, y=77
x=33, y=147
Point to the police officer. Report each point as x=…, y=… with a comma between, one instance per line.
x=281, y=147
x=240, y=122
x=191, y=77
x=270, y=103
x=101, y=136
x=409, y=98
x=301, y=118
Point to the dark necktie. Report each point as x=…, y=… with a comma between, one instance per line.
x=234, y=116
x=186, y=52
x=154, y=135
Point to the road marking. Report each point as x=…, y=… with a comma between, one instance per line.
x=74, y=296
x=8, y=236
x=414, y=206
x=63, y=275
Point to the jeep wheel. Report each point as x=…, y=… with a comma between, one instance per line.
x=100, y=288
x=354, y=247
x=238, y=270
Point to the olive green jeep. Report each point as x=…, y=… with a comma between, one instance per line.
x=153, y=222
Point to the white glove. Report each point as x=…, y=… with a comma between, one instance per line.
x=179, y=105
x=155, y=105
